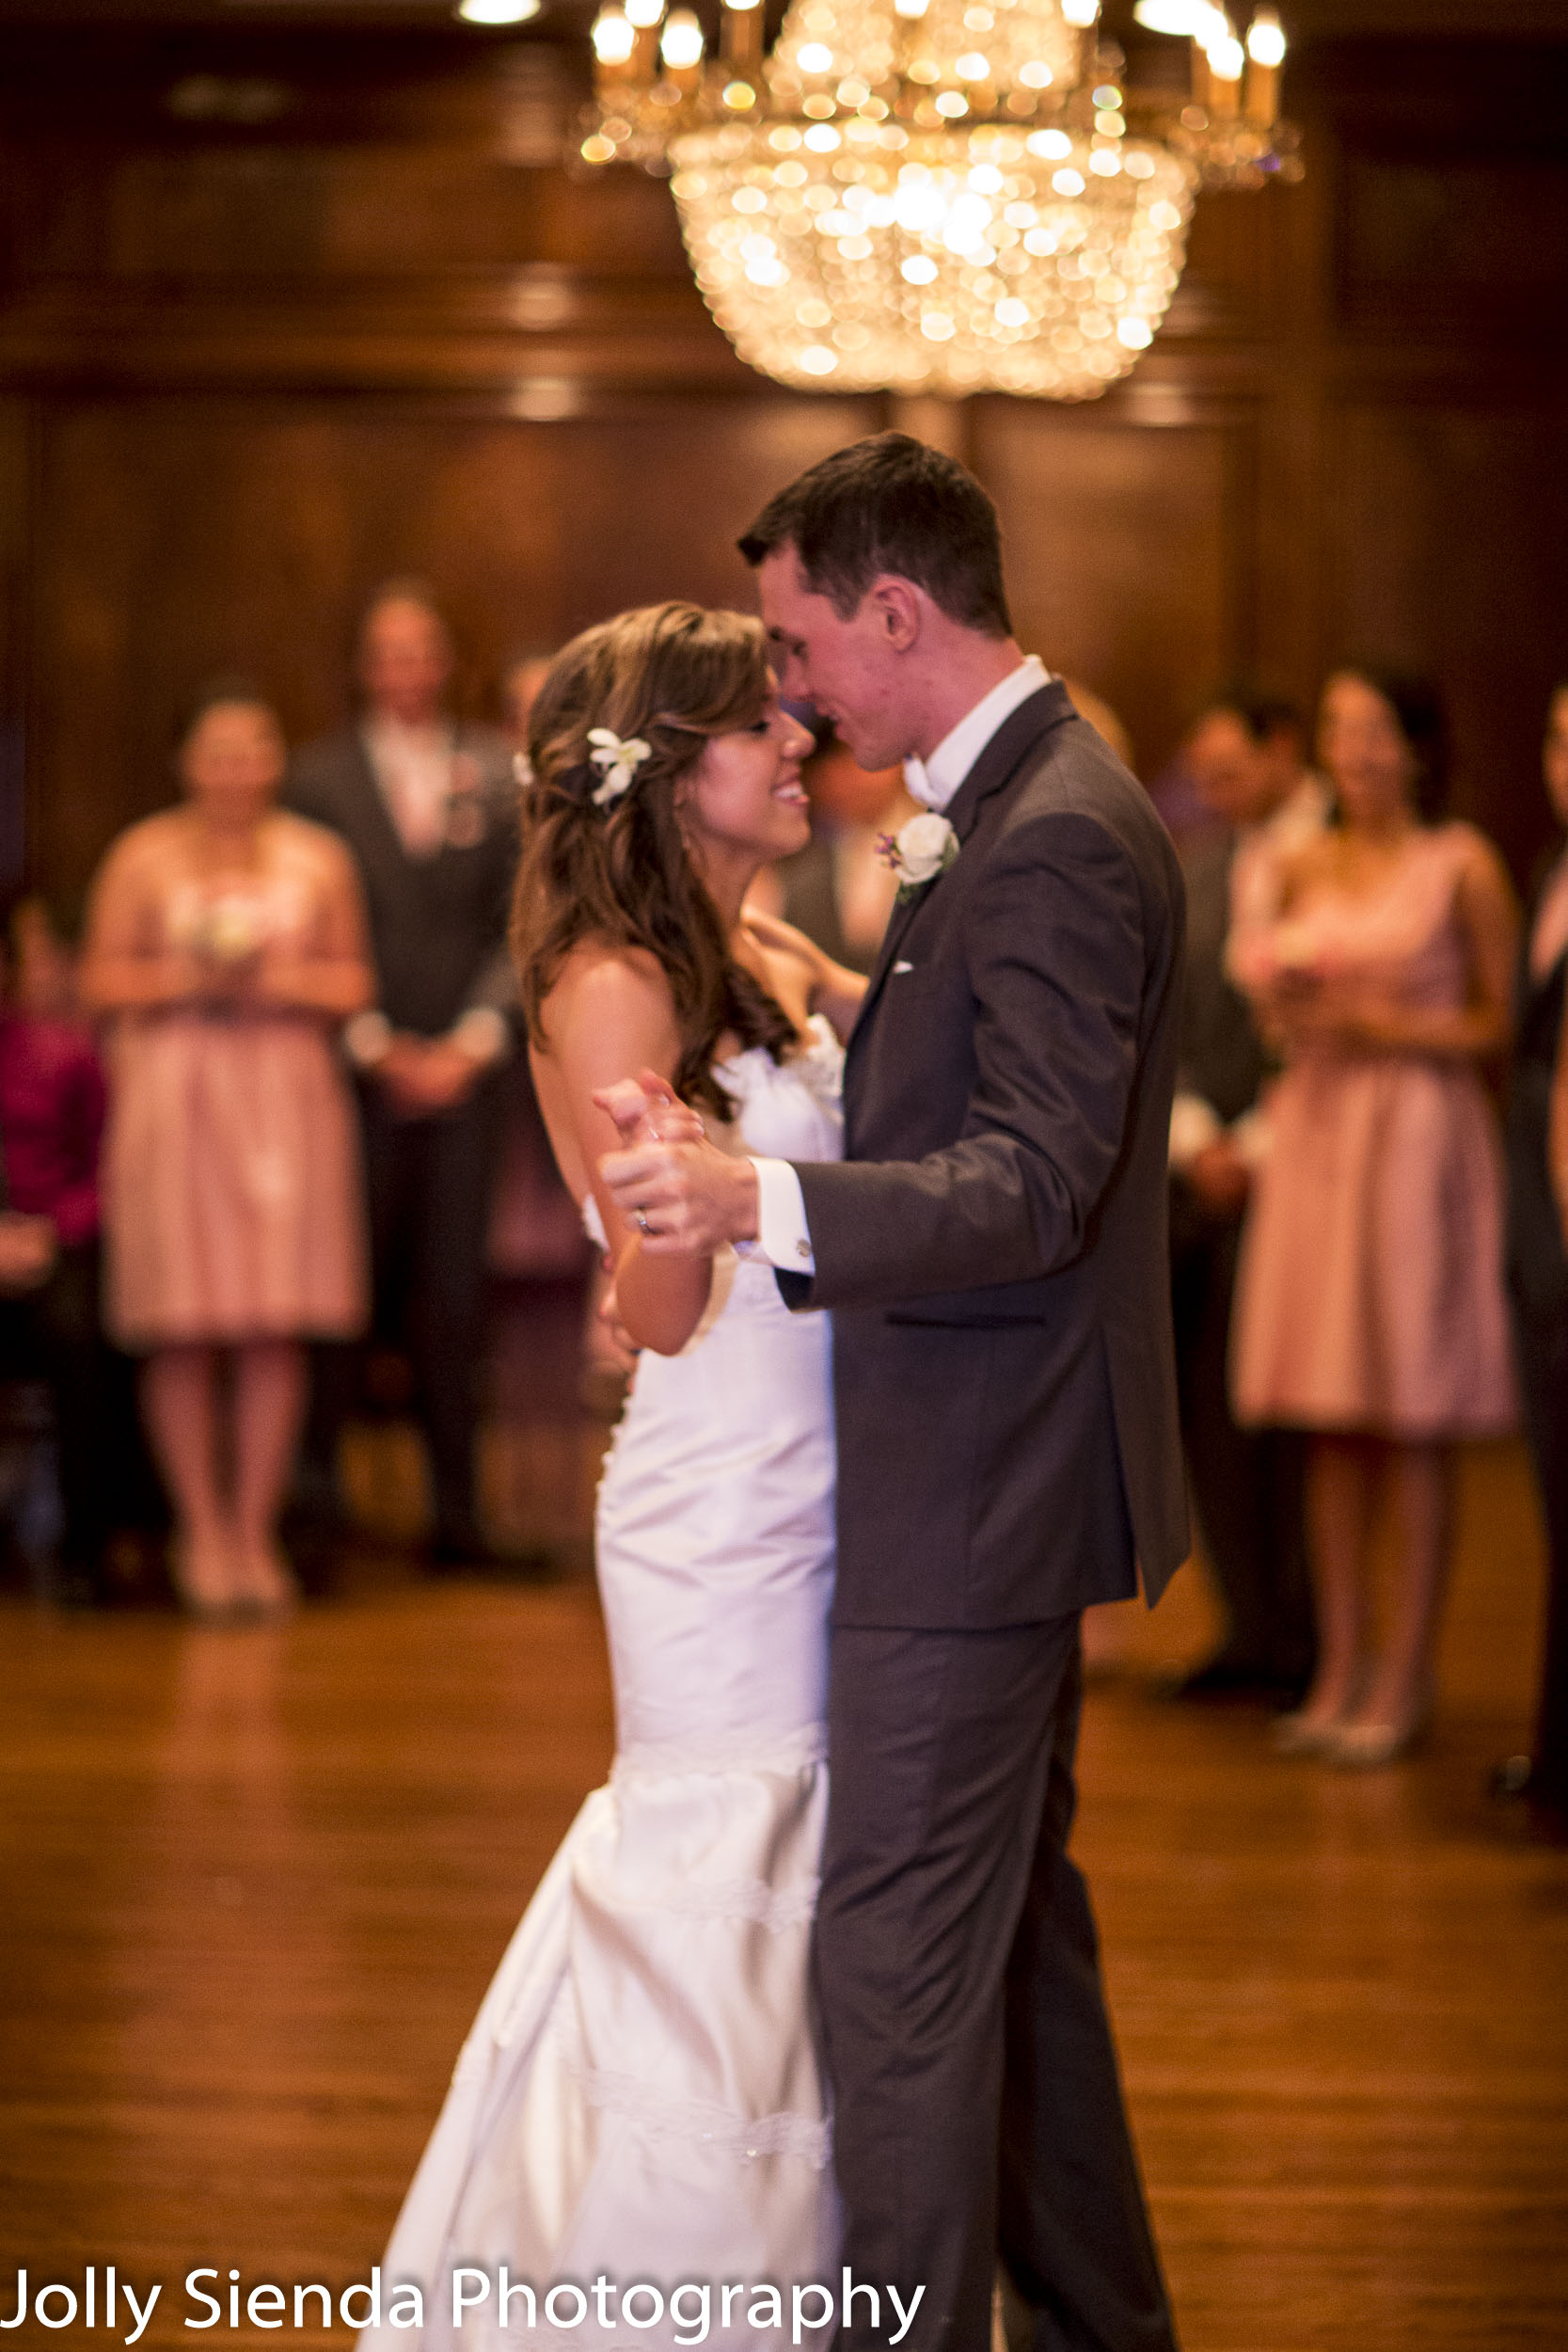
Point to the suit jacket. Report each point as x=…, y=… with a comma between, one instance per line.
x=437, y=924
x=994, y=1248
x=1537, y=1259
x=1222, y=1057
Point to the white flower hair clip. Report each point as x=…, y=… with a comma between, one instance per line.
x=617, y=763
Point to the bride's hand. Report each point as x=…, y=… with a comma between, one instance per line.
x=646, y=1109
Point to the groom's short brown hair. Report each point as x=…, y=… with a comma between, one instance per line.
x=891, y=504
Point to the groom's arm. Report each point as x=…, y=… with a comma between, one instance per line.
x=1058, y=957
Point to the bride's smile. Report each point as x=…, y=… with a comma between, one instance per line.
x=744, y=799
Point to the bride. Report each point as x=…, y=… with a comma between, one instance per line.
x=640, y=2103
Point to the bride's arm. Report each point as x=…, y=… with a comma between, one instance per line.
x=605, y=1019
x=831, y=988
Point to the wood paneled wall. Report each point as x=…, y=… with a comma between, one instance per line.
x=281, y=313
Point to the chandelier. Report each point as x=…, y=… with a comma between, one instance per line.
x=935, y=196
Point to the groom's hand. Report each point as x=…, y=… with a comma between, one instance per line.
x=686, y=1198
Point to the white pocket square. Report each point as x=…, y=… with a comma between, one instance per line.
x=903, y=968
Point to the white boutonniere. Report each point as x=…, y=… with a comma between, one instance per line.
x=617, y=763
x=918, y=852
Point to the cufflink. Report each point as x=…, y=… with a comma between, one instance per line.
x=803, y=1249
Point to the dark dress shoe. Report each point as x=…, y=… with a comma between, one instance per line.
x=1510, y=1781
x=1517, y=1781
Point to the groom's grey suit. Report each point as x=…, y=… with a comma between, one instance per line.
x=994, y=1253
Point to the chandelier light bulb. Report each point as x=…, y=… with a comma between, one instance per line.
x=614, y=36
x=498, y=11
x=644, y=14
x=1187, y=19
x=682, y=45
x=1265, y=41
x=1081, y=15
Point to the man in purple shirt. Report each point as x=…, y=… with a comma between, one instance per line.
x=52, y=1112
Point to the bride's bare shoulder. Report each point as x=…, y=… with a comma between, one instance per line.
x=604, y=985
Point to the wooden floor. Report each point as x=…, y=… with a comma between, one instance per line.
x=252, y=1885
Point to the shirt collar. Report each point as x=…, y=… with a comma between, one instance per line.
x=934, y=781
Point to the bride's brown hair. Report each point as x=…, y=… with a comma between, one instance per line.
x=672, y=676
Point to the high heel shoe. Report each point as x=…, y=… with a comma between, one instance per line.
x=1300, y=1734
x=268, y=1588
x=202, y=1581
x=1362, y=1745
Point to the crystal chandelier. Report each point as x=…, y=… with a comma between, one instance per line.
x=935, y=196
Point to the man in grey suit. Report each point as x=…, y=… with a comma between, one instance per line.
x=994, y=1253
x=1245, y=759
x=427, y=806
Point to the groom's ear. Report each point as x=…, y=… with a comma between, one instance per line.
x=895, y=609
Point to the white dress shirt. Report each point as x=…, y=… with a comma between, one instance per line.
x=414, y=770
x=784, y=1235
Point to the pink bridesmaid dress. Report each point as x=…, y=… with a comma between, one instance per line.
x=231, y=1180
x=1369, y=1294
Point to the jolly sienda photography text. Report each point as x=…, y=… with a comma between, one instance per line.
x=103, y=2296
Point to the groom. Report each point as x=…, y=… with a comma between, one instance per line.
x=993, y=1250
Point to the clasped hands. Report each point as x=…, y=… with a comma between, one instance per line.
x=422, y=1076
x=680, y=1192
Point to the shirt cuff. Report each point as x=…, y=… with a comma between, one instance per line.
x=1195, y=1124
x=367, y=1039
x=783, y=1237
x=481, y=1034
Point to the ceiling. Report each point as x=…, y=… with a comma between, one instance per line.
x=1305, y=19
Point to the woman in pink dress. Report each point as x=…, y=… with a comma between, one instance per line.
x=227, y=944
x=1370, y=1305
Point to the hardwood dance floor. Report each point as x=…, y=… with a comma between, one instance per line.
x=252, y=1885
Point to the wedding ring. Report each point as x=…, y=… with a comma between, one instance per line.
x=642, y=1224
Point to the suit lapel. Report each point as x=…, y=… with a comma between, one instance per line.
x=997, y=764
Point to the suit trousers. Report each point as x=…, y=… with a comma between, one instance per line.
x=1542, y=1344
x=429, y=1185
x=977, y=2105
x=1248, y=1485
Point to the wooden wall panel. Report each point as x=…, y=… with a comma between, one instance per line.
x=1126, y=554
x=1448, y=549
x=374, y=212
x=186, y=536
x=271, y=352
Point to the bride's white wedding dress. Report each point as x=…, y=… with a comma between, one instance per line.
x=640, y=2097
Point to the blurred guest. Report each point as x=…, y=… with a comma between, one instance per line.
x=227, y=941
x=525, y=675
x=43, y=948
x=51, y=1109
x=426, y=805
x=1537, y=1279
x=1369, y=1307
x=839, y=889
x=1244, y=757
